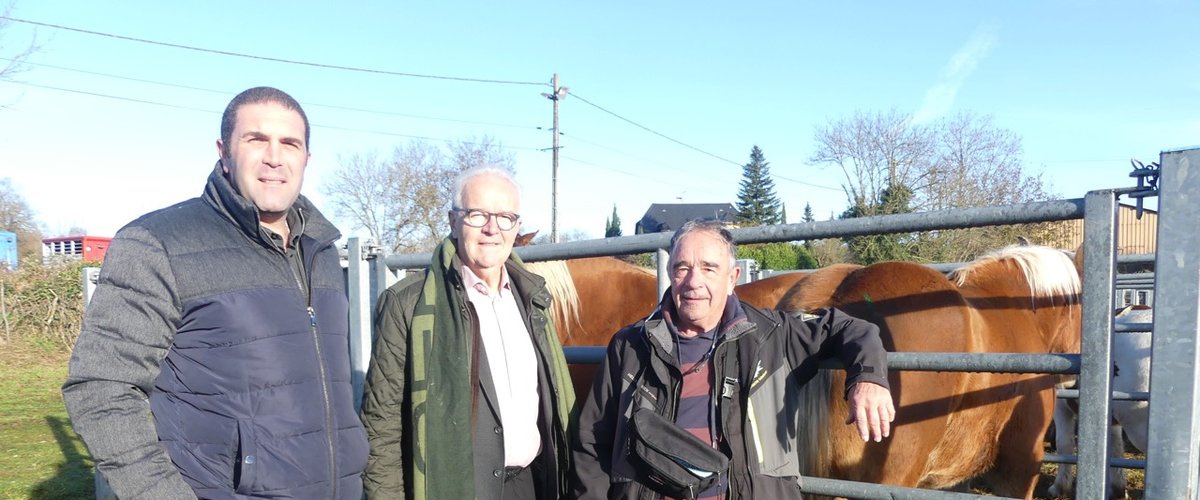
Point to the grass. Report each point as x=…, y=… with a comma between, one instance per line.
x=42, y=458
x=40, y=455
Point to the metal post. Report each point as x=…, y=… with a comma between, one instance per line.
x=1171, y=461
x=358, y=287
x=1095, y=374
x=381, y=277
x=554, y=168
x=91, y=276
x=664, y=275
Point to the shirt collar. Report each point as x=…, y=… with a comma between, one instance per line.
x=473, y=282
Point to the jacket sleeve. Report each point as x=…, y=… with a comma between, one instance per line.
x=592, y=446
x=831, y=333
x=127, y=330
x=383, y=400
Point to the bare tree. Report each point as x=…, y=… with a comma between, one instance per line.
x=978, y=164
x=875, y=151
x=961, y=161
x=478, y=151
x=403, y=201
x=18, y=217
x=14, y=61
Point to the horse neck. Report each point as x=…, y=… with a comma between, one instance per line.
x=1054, y=306
x=1061, y=326
x=564, y=309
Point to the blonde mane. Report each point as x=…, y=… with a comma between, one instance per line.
x=1050, y=272
x=565, y=308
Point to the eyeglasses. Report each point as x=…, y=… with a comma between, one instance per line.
x=478, y=218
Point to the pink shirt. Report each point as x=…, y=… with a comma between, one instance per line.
x=513, y=364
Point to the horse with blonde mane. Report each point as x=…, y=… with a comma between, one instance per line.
x=950, y=426
x=593, y=298
x=597, y=296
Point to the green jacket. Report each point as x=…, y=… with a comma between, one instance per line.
x=388, y=412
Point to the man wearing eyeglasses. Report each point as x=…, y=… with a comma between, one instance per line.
x=467, y=373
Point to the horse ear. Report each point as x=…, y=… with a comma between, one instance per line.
x=524, y=239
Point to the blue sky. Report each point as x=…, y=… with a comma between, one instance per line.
x=1087, y=85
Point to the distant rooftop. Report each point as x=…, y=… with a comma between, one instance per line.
x=670, y=216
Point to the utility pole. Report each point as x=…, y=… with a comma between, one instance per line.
x=558, y=94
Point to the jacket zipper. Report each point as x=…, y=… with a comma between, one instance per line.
x=671, y=410
x=557, y=433
x=720, y=417
x=316, y=336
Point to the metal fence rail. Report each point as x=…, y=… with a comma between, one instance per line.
x=900, y=223
x=1171, y=473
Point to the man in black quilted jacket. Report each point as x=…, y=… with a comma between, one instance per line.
x=213, y=361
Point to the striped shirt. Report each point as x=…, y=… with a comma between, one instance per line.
x=696, y=411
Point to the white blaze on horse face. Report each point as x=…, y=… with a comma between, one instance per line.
x=485, y=249
x=702, y=277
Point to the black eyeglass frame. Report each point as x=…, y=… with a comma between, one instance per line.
x=501, y=218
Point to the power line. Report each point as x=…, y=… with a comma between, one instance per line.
x=343, y=68
x=356, y=69
x=648, y=129
x=272, y=59
x=809, y=184
x=306, y=103
x=119, y=98
x=209, y=111
x=797, y=181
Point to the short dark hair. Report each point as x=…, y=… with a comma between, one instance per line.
x=259, y=95
x=715, y=227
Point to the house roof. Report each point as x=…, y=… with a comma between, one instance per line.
x=671, y=216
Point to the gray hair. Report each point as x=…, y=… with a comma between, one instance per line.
x=715, y=227
x=460, y=182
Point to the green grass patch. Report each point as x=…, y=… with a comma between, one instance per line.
x=40, y=455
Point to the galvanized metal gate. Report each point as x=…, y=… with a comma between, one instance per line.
x=1172, y=461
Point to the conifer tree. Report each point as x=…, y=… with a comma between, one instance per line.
x=757, y=202
x=612, y=226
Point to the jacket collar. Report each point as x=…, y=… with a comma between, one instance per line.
x=527, y=285
x=220, y=194
x=660, y=325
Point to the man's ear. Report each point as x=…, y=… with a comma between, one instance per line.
x=737, y=271
x=221, y=155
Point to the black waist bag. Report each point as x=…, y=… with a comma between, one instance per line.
x=670, y=460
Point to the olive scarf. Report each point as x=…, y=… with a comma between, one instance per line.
x=442, y=344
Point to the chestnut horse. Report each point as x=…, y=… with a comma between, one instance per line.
x=597, y=296
x=593, y=298
x=766, y=293
x=950, y=426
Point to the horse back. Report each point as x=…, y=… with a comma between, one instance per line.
x=916, y=308
x=767, y=293
x=813, y=290
x=612, y=295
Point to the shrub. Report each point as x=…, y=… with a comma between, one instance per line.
x=778, y=256
x=42, y=305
